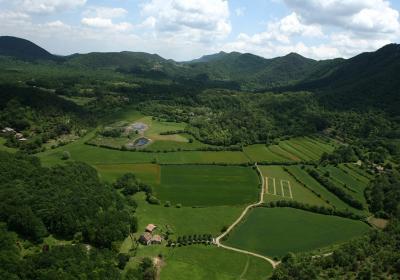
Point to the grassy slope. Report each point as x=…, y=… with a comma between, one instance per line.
x=277, y=231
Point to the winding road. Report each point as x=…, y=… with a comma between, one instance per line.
x=217, y=240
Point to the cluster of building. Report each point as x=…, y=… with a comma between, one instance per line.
x=147, y=238
x=18, y=136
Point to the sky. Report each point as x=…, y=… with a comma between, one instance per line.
x=187, y=29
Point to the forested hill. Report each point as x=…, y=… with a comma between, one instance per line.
x=369, y=80
x=23, y=49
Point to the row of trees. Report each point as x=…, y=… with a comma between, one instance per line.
x=190, y=239
x=336, y=190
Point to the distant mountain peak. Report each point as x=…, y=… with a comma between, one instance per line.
x=23, y=49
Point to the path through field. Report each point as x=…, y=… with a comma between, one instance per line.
x=218, y=239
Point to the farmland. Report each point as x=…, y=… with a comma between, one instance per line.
x=213, y=264
x=186, y=220
x=277, y=231
x=326, y=195
x=292, y=150
x=277, y=177
x=208, y=185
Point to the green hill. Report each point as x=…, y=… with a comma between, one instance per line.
x=23, y=49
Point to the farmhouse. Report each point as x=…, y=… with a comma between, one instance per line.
x=156, y=239
x=146, y=238
x=150, y=228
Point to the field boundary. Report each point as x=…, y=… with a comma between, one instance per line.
x=217, y=240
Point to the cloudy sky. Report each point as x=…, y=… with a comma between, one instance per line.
x=187, y=29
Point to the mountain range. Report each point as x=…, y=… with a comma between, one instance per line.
x=375, y=75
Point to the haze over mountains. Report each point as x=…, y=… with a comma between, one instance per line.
x=374, y=75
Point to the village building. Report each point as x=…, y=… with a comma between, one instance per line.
x=19, y=135
x=8, y=130
x=150, y=228
x=146, y=238
x=156, y=239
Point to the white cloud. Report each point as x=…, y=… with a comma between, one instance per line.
x=374, y=16
x=48, y=6
x=194, y=20
x=106, y=23
x=106, y=12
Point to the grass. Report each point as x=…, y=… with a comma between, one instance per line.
x=5, y=148
x=148, y=173
x=260, y=153
x=353, y=187
x=299, y=192
x=97, y=155
x=209, y=262
x=277, y=231
x=311, y=183
x=186, y=220
x=194, y=185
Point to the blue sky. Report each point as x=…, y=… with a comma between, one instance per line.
x=187, y=29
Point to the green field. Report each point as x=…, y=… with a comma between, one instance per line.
x=186, y=220
x=212, y=263
x=299, y=192
x=146, y=172
x=194, y=185
x=97, y=155
x=277, y=231
x=296, y=149
x=5, y=148
x=346, y=181
x=311, y=183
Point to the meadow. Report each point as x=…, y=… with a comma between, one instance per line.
x=201, y=262
x=185, y=220
x=205, y=185
x=298, y=191
x=277, y=231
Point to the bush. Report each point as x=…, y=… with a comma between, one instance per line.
x=65, y=155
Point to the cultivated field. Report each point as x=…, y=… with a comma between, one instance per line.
x=194, y=185
x=326, y=195
x=280, y=185
x=295, y=149
x=277, y=231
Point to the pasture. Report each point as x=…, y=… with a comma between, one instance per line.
x=185, y=220
x=204, y=185
x=201, y=262
x=97, y=155
x=277, y=231
x=280, y=185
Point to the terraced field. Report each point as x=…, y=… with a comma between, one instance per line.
x=277, y=231
x=350, y=184
x=326, y=195
x=296, y=149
